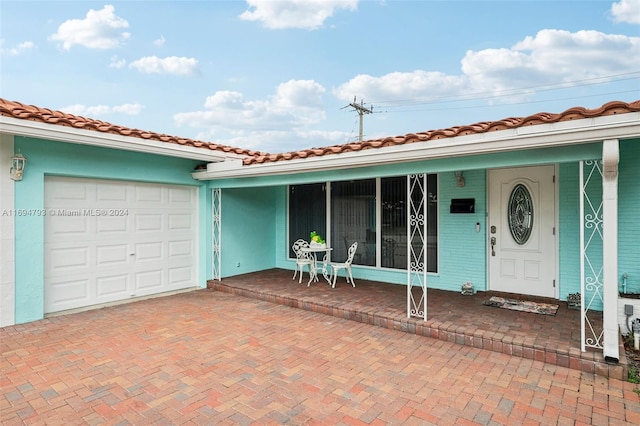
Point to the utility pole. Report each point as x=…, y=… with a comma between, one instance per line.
x=361, y=112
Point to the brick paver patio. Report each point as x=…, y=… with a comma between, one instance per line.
x=208, y=357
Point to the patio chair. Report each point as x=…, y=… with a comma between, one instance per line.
x=346, y=265
x=302, y=258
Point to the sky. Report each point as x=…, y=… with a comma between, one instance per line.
x=279, y=76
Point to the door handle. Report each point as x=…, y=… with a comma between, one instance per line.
x=493, y=246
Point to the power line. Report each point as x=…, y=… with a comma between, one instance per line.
x=510, y=92
x=360, y=108
x=546, y=101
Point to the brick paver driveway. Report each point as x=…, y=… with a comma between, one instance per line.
x=207, y=357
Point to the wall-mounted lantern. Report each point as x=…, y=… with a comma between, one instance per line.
x=18, y=163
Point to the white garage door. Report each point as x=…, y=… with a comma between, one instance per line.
x=107, y=241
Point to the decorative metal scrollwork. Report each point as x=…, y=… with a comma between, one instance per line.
x=520, y=214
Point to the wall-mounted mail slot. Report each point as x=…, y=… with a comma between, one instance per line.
x=463, y=205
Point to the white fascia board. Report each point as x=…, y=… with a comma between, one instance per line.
x=582, y=131
x=21, y=127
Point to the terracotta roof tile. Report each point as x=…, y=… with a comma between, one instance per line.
x=610, y=108
x=44, y=115
x=34, y=113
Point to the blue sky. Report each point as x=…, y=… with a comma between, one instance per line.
x=279, y=76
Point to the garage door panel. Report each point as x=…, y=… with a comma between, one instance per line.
x=180, y=248
x=148, y=222
x=111, y=286
x=92, y=259
x=148, y=194
x=180, y=197
x=180, y=222
x=66, y=294
x=63, y=226
x=112, y=255
x=114, y=193
x=112, y=224
x=149, y=251
x=68, y=259
x=66, y=192
x=149, y=280
x=180, y=276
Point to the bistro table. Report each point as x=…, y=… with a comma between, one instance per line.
x=313, y=270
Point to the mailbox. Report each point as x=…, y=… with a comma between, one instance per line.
x=463, y=205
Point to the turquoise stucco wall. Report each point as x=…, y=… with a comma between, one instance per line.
x=628, y=223
x=476, y=162
x=63, y=159
x=462, y=255
x=628, y=218
x=569, y=229
x=458, y=237
x=248, y=232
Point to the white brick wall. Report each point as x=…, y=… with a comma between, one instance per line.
x=7, y=251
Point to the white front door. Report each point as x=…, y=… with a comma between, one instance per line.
x=522, y=245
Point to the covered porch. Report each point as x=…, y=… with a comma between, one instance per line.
x=463, y=319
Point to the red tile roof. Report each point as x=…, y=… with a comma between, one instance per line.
x=43, y=115
x=34, y=113
x=610, y=108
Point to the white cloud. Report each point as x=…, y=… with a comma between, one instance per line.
x=128, y=109
x=169, y=65
x=552, y=56
x=275, y=141
x=301, y=14
x=295, y=105
x=549, y=57
x=17, y=49
x=117, y=62
x=97, y=111
x=627, y=11
x=159, y=42
x=400, y=85
x=100, y=29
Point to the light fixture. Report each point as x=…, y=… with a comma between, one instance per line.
x=18, y=162
x=459, y=179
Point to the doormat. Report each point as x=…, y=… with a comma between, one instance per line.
x=522, y=305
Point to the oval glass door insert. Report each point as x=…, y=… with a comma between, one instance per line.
x=520, y=214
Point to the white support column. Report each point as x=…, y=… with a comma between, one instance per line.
x=216, y=233
x=417, y=246
x=610, y=161
x=7, y=234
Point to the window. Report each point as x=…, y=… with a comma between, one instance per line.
x=372, y=212
x=307, y=212
x=353, y=218
x=393, y=195
x=393, y=232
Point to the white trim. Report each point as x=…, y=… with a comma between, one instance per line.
x=21, y=127
x=327, y=213
x=216, y=234
x=610, y=161
x=556, y=224
x=7, y=234
x=583, y=333
x=378, y=262
x=536, y=136
x=417, y=217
